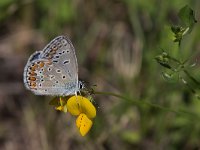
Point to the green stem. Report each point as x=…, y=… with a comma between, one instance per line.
x=191, y=77
x=175, y=60
x=181, y=112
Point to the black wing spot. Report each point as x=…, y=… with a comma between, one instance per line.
x=67, y=51
x=63, y=77
x=45, y=90
x=52, y=77
x=55, y=61
x=56, y=81
x=40, y=85
x=57, y=56
x=57, y=43
x=49, y=69
x=66, y=62
x=58, y=70
x=54, y=46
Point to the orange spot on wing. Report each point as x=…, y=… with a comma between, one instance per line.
x=34, y=67
x=32, y=78
x=41, y=64
x=32, y=84
x=32, y=73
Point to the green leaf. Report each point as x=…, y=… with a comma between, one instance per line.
x=187, y=16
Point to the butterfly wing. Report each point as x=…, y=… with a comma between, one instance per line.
x=53, y=71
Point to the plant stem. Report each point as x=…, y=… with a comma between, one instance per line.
x=140, y=103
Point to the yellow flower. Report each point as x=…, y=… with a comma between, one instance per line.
x=84, y=109
x=59, y=104
x=77, y=106
x=83, y=123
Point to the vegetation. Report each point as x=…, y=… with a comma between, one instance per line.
x=141, y=58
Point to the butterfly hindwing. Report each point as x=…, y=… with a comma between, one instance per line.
x=54, y=70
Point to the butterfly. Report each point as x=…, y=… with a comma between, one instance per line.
x=53, y=70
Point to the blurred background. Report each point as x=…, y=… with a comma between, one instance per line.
x=116, y=42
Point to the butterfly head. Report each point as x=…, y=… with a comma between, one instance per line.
x=81, y=85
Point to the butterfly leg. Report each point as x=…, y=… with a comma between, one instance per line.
x=61, y=101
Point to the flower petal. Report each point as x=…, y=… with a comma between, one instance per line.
x=79, y=104
x=73, y=105
x=83, y=123
x=60, y=108
x=88, y=108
